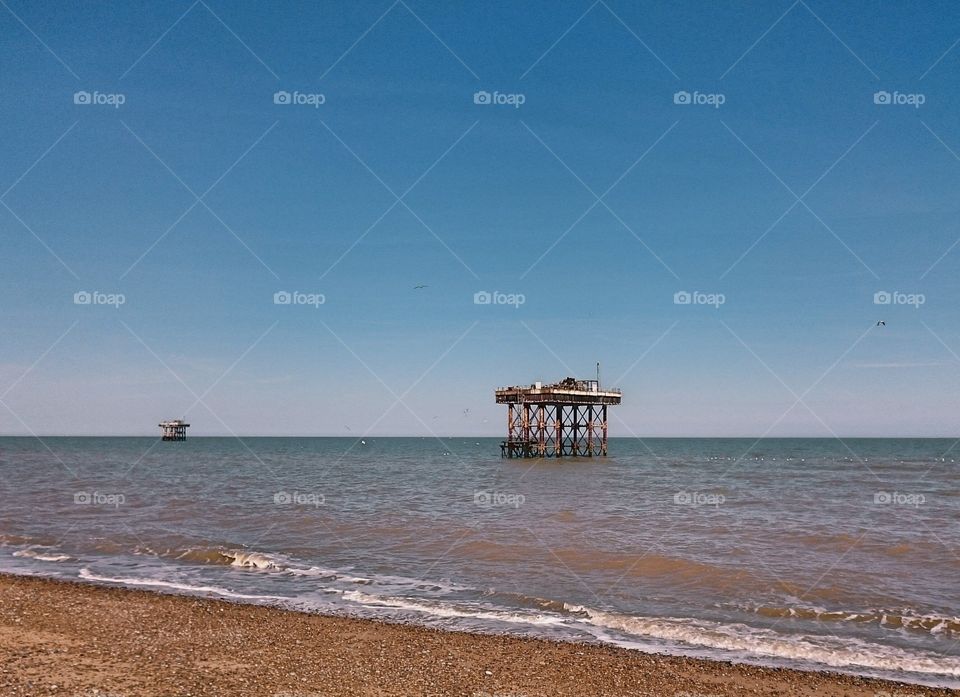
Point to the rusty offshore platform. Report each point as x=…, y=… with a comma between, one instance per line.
x=567, y=418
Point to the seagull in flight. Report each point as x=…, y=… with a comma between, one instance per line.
x=422, y=285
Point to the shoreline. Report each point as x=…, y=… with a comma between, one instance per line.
x=64, y=637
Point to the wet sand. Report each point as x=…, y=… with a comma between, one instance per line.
x=59, y=638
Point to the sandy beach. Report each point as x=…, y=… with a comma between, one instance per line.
x=59, y=638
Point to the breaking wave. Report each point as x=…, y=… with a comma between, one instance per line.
x=86, y=574
x=830, y=651
x=888, y=619
x=41, y=554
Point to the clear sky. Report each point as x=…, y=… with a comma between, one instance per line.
x=620, y=153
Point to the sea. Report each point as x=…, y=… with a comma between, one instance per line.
x=820, y=554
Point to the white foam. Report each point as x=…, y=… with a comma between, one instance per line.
x=449, y=610
x=315, y=571
x=398, y=582
x=738, y=638
x=32, y=553
x=829, y=651
x=255, y=560
x=89, y=576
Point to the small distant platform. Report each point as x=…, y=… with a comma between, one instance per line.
x=174, y=430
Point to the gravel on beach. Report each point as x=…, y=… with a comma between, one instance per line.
x=73, y=639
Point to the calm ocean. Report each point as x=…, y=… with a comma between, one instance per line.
x=791, y=552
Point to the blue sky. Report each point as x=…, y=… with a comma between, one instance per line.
x=794, y=201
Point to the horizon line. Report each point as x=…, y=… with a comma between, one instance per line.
x=39, y=436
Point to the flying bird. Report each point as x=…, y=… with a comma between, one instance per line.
x=422, y=285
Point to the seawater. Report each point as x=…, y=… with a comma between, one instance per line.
x=819, y=554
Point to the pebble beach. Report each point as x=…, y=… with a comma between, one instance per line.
x=64, y=638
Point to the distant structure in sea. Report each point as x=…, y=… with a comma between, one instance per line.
x=567, y=418
x=174, y=430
